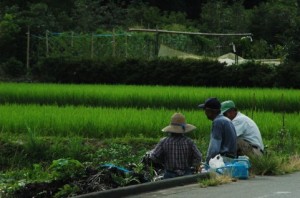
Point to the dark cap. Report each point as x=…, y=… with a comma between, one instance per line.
x=211, y=103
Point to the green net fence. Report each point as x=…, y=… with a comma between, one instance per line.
x=127, y=45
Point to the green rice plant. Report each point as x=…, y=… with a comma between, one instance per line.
x=284, y=141
x=171, y=97
x=98, y=122
x=36, y=121
x=35, y=147
x=271, y=127
x=86, y=121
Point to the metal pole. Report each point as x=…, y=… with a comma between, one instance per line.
x=156, y=43
x=190, y=33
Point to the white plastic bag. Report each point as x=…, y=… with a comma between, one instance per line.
x=216, y=162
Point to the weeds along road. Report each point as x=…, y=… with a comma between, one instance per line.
x=258, y=187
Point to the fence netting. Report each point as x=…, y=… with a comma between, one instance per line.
x=127, y=45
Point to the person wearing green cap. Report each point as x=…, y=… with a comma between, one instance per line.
x=249, y=140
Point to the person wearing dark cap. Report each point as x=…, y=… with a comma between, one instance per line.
x=223, y=136
x=249, y=140
x=177, y=152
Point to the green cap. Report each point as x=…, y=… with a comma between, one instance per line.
x=226, y=105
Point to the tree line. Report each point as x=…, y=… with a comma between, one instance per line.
x=273, y=23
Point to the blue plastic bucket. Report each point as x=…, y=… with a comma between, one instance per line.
x=239, y=168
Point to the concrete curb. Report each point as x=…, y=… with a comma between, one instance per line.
x=147, y=187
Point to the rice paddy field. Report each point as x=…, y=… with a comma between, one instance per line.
x=45, y=125
x=170, y=97
x=118, y=111
x=107, y=122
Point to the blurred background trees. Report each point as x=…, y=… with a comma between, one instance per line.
x=274, y=23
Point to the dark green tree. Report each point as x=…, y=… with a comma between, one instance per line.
x=294, y=41
x=219, y=17
x=192, y=7
x=272, y=21
x=9, y=31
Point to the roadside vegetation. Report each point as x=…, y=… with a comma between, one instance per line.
x=215, y=180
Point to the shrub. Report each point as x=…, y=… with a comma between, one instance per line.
x=66, y=168
x=288, y=75
x=165, y=71
x=269, y=164
x=13, y=68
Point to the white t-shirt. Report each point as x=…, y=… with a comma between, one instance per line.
x=247, y=129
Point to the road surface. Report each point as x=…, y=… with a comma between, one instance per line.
x=257, y=187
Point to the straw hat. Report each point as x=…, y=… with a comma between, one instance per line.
x=178, y=125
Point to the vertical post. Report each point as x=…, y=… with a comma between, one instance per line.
x=235, y=54
x=28, y=49
x=283, y=111
x=92, y=46
x=219, y=46
x=150, y=52
x=156, y=43
x=114, y=43
x=254, y=106
x=47, y=44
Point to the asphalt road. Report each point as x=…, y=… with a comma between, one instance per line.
x=257, y=187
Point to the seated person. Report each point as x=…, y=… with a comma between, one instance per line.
x=249, y=140
x=222, y=135
x=177, y=152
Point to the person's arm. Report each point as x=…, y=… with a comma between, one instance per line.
x=197, y=158
x=197, y=155
x=215, y=141
x=157, y=153
x=213, y=149
x=239, y=126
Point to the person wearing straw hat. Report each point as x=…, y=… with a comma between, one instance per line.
x=249, y=140
x=177, y=152
x=223, y=135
